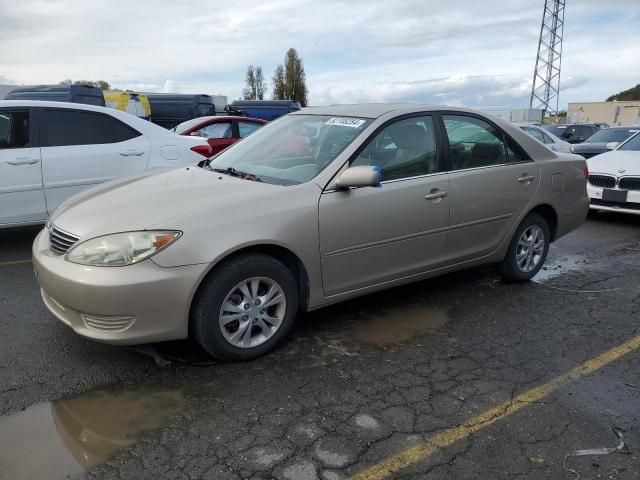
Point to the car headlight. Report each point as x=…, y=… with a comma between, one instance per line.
x=119, y=249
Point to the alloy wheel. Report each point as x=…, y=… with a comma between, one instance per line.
x=530, y=248
x=252, y=312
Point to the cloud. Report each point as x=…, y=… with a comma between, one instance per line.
x=458, y=52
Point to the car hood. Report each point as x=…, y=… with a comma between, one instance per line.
x=153, y=200
x=614, y=161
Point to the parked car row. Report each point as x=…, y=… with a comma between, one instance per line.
x=164, y=109
x=320, y=206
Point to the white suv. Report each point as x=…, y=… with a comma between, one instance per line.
x=52, y=150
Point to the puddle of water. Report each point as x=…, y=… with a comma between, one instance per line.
x=63, y=439
x=560, y=266
x=398, y=325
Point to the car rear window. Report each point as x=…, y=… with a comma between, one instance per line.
x=75, y=127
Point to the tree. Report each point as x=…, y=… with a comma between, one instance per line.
x=279, y=90
x=261, y=85
x=255, y=85
x=289, y=82
x=631, y=94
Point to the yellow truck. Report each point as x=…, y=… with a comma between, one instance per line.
x=131, y=102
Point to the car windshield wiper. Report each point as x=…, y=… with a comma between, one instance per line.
x=236, y=173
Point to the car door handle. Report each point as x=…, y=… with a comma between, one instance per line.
x=526, y=178
x=23, y=161
x=131, y=153
x=436, y=194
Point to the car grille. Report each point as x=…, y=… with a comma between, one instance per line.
x=605, y=181
x=60, y=241
x=629, y=183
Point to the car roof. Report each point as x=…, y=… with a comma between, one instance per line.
x=44, y=103
x=375, y=110
x=138, y=123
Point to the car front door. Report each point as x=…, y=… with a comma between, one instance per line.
x=21, y=195
x=219, y=135
x=81, y=148
x=492, y=182
x=370, y=236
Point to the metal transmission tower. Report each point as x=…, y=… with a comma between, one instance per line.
x=546, y=75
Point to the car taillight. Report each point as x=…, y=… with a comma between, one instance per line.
x=204, y=150
x=586, y=173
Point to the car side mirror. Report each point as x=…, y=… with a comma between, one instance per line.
x=612, y=145
x=359, y=176
x=195, y=134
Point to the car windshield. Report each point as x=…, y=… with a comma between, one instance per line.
x=632, y=144
x=290, y=150
x=612, y=135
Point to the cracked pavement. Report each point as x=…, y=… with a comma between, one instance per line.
x=356, y=382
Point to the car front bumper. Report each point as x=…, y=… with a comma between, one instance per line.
x=129, y=305
x=632, y=205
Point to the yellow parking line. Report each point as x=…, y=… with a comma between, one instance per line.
x=15, y=262
x=452, y=435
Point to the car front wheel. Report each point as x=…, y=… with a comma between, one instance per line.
x=528, y=249
x=245, y=307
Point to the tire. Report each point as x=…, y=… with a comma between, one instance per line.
x=510, y=268
x=232, y=284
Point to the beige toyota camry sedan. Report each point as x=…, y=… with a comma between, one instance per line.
x=317, y=207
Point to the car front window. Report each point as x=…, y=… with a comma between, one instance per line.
x=633, y=144
x=292, y=149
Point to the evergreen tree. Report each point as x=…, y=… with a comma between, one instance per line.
x=279, y=91
x=289, y=81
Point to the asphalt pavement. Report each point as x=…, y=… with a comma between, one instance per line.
x=456, y=377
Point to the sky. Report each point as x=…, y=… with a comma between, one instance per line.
x=455, y=52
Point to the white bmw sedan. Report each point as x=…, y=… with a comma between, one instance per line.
x=614, y=178
x=50, y=151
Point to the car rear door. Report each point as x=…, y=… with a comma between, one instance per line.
x=371, y=235
x=81, y=148
x=492, y=182
x=21, y=194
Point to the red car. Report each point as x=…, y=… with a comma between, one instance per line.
x=219, y=131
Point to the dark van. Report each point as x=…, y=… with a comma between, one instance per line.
x=168, y=109
x=59, y=93
x=264, y=109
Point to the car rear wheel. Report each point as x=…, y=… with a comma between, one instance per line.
x=528, y=249
x=245, y=307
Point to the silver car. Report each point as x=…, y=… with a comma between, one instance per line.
x=549, y=139
x=317, y=207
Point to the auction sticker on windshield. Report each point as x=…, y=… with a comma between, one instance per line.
x=345, y=122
